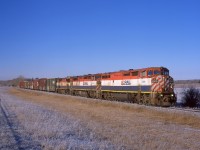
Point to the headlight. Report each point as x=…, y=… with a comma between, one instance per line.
x=172, y=95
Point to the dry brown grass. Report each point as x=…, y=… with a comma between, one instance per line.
x=171, y=117
x=133, y=126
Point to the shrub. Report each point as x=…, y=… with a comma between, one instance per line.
x=191, y=97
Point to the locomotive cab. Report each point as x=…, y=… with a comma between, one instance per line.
x=163, y=87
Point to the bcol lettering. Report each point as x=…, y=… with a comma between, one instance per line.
x=85, y=83
x=126, y=82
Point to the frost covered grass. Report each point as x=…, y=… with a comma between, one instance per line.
x=53, y=130
x=126, y=126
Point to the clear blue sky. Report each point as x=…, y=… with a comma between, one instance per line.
x=57, y=38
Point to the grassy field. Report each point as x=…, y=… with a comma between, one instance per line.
x=126, y=126
x=27, y=125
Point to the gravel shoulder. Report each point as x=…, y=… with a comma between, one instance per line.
x=97, y=124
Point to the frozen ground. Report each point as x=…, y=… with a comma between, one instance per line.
x=12, y=134
x=25, y=125
x=39, y=120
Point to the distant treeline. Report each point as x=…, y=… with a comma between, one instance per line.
x=13, y=82
x=186, y=81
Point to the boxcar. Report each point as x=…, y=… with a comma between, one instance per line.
x=51, y=85
x=36, y=84
x=42, y=84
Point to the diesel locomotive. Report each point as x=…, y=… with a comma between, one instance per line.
x=149, y=86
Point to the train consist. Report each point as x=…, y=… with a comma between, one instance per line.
x=149, y=86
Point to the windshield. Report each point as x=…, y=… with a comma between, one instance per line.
x=156, y=72
x=165, y=72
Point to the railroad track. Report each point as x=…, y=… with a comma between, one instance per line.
x=185, y=109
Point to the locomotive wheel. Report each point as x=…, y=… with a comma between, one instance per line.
x=161, y=102
x=146, y=99
x=88, y=94
x=131, y=98
x=67, y=92
x=99, y=95
x=109, y=96
x=75, y=93
x=92, y=94
x=143, y=99
x=62, y=91
x=105, y=96
x=113, y=97
x=138, y=99
x=134, y=99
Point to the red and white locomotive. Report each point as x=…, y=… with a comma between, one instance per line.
x=149, y=86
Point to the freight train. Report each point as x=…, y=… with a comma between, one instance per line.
x=149, y=86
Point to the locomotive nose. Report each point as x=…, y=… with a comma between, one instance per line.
x=169, y=84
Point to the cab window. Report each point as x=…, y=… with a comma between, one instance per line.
x=127, y=74
x=143, y=73
x=135, y=73
x=156, y=72
x=105, y=76
x=98, y=77
x=166, y=72
x=75, y=79
x=93, y=77
x=150, y=73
